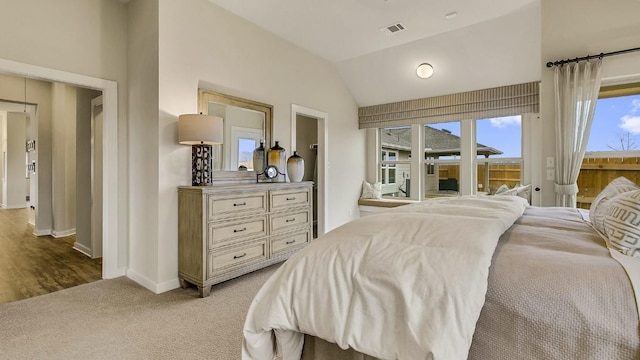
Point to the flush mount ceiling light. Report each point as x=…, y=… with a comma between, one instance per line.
x=424, y=71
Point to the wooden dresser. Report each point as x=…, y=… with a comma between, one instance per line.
x=225, y=231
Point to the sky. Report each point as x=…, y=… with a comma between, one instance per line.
x=614, y=119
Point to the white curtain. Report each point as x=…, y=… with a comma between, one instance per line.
x=576, y=92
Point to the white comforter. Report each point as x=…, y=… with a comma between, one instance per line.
x=404, y=284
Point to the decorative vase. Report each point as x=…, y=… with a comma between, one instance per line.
x=258, y=158
x=277, y=156
x=295, y=167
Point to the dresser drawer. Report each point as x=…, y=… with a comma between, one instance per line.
x=222, y=233
x=236, y=257
x=282, y=222
x=284, y=199
x=289, y=242
x=235, y=204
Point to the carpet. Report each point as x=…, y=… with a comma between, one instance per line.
x=119, y=319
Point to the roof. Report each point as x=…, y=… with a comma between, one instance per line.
x=437, y=142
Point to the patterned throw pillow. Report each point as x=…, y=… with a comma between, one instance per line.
x=622, y=223
x=371, y=191
x=600, y=206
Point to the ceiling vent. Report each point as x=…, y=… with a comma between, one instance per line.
x=392, y=29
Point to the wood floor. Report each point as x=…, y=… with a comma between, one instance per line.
x=32, y=266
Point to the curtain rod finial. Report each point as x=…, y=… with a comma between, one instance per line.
x=549, y=64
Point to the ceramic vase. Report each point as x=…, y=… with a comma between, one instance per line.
x=295, y=167
x=277, y=156
x=259, y=158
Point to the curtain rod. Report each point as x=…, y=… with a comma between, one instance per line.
x=601, y=55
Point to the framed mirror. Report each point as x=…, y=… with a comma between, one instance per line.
x=246, y=123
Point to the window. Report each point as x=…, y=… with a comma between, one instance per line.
x=499, y=152
x=442, y=159
x=388, y=169
x=616, y=125
x=243, y=142
x=613, y=149
x=245, y=153
x=498, y=157
x=395, y=165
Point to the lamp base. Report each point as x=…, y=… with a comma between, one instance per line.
x=201, y=165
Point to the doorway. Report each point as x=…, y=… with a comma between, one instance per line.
x=114, y=260
x=40, y=249
x=309, y=129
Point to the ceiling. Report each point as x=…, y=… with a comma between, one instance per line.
x=379, y=67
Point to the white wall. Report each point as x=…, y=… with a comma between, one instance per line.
x=204, y=45
x=63, y=166
x=575, y=28
x=83, y=169
x=38, y=92
x=143, y=134
x=86, y=37
x=3, y=140
x=13, y=149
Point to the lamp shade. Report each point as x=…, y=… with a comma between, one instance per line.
x=196, y=129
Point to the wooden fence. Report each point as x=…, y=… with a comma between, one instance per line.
x=595, y=174
x=498, y=174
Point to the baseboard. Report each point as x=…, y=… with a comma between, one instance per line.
x=151, y=285
x=14, y=206
x=120, y=271
x=168, y=285
x=37, y=232
x=58, y=234
x=83, y=249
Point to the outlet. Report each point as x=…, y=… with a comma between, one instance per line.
x=551, y=174
x=550, y=162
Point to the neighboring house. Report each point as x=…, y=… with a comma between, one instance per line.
x=159, y=52
x=396, y=145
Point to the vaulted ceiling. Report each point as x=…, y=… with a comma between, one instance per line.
x=471, y=44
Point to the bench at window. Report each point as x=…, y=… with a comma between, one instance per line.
x=368, y=206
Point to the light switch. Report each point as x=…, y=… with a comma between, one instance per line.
x=550, y=162
x=551, y=174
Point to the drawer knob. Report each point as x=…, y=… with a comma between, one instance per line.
x=239, y=256
x=239, y=230
x=290, y=242
x=240, y=204
x=291, y=198
x=290, y=220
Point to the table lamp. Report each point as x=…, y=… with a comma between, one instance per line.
x=200, y=131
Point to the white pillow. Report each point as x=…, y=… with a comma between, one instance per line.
x=371, y=191
x=622, y=223
x=508, y=192
x=524, y=191
x=600, y=206
x=501, y=189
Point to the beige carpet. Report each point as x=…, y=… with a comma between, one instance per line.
x=118, y=319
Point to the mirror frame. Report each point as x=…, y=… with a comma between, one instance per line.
x=205, y=97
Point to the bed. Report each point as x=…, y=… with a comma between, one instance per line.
x=456, y=278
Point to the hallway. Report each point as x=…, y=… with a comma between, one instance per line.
x=32, y=266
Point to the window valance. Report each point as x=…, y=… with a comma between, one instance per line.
x=479, y=104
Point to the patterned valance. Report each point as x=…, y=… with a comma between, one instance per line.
x=479, y=104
